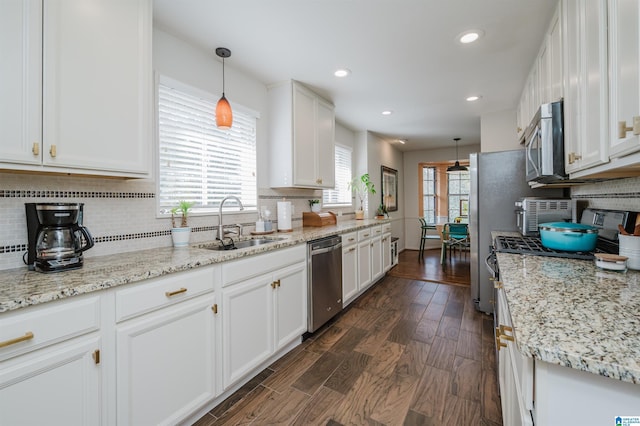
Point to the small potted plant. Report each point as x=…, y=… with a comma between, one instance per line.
x=381, y=213
x=181, y=234
x=314, y=205
x=362, y=186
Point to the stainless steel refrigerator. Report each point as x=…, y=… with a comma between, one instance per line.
x=497, y=181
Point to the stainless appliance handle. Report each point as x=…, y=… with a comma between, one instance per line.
x=489, y=267
x=326, y=249
x=529, y=144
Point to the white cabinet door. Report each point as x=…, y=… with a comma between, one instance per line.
x=624, y=57
x=97, y=84
x=585, y=105
x=349, y=273
x=166, y=363
x=304, y=135
x=555, y=45
x=325, y=145
x=291, y=304
x=21, y=82
x=386, y=252
x=364, y=264
x=376, y=258
x=58, y=385
x=247, y=320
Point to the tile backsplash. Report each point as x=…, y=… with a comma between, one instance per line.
x=120, y=214
x=617, y=194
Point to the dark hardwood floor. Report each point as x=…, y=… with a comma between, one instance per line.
x=407, y=352
x=455, y=270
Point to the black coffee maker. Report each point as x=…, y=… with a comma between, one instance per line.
x=56, y=236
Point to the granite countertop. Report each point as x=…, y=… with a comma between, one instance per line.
x=21, y=288
x=571, y=313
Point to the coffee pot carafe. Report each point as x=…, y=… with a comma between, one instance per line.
x=56, y=236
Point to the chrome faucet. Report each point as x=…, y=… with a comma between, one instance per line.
x=221, y=232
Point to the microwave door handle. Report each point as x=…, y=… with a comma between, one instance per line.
x=535, y=166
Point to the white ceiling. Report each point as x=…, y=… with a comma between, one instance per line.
x=403, y=54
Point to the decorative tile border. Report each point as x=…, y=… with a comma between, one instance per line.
x=608, y=195
x=25, y=193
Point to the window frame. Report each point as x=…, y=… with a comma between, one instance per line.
x=422, y=167
x=163, y=211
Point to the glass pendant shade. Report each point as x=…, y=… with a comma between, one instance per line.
x=224, y=115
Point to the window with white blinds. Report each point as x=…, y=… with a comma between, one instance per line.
x=341, y=194
x=197, y=161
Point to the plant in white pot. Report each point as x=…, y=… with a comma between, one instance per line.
x=181, y=234
x=362, y=186
x=314, y=205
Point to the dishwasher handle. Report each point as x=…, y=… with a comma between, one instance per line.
x=326, y=249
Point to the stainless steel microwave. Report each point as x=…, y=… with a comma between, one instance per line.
x=544, y=144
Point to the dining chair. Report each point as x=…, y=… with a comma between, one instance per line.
x=454, y=235
x=425, y=227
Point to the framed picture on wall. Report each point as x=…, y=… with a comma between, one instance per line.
x=389, y=188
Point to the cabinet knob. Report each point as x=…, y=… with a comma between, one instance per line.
x=623, y=128
x=35, y=148
x=519, y=129
x=497, y=284
x=52, y=151
x=214, y=308
x=319, y=181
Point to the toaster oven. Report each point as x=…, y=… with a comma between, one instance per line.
x=532, y=211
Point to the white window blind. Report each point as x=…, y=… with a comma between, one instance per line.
x=340, y=195
x=429, y=196
x=199, y=162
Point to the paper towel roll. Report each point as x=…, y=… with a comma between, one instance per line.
x=284, y=216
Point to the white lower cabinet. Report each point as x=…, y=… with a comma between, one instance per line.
x=166, y=363
x=349, y=267
x=386, y=252
x=263, y=310
x=364, y=264
x=55, y=386
x=376, y=258
x=50, y=370
x=515, y=372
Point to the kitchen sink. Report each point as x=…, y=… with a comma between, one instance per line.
x=243, y=244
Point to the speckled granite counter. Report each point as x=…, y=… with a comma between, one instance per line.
x=570, y=313
x=20, y=288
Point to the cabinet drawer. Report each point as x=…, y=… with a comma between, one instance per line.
x=365, y=234
x=41, y=326
x=386, y=228
x=253, y=266
x=159, y=292
x=349, y=238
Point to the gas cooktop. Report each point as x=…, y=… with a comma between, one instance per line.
x=533, y=246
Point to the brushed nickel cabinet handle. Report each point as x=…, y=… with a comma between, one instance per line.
x=175, y=292
x=27, y=336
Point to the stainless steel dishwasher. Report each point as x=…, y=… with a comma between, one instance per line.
x=325, y=280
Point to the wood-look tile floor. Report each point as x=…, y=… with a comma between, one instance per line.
x=407, y=352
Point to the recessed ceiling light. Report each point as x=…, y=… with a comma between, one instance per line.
x=470, y=36
x=473, y=98
x=342, y=72
x=387, y=112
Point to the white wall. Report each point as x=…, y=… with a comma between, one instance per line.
x=411, y=176
x=498, y=131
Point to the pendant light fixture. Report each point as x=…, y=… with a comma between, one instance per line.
x=456, y=168
x=224, y=116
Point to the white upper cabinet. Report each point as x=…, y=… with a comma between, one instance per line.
x=585, y=106
x=90, y=111
x=544, y=83
x=301, y=134
x=624, y=54
x=21, y=82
